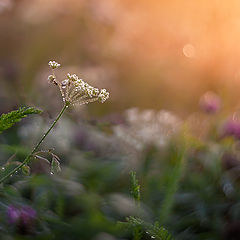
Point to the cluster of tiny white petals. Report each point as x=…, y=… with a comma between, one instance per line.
x=103, y=96
x=53, y=64
x=76, y=91
x=73, y=77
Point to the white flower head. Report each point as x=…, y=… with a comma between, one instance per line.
x=76, y=91
x=54, y=64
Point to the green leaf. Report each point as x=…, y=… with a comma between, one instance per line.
x=134, y=222
x=153, y=230
x=9, y=119
x=55, y=164
x=158, y=232
x=135, y=187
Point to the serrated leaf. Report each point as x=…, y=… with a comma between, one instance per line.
x=159, y=232
x=134, y=221
x=9, y=119
x=154, y=230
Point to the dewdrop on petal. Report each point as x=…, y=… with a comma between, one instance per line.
x=76, y=91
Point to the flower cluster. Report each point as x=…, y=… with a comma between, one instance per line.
x=76, y=91
x=53, y=64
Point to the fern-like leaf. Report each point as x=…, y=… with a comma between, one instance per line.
x=159, y=232
x=135, y=187
x=153, y=230
x=134, y=222
x=9, y=119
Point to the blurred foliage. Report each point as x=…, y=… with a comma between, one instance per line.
x=191, y=186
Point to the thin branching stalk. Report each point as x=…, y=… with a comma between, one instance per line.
x=27, y=159
x=74, y=91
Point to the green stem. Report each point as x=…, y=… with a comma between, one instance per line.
x=27, y=159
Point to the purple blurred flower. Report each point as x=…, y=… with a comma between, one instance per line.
x=232, y=128
x=27, y=215
x=210, y=102
x=22, y=217
x=13, y=214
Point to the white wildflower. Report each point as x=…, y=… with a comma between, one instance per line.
x=53, y=64
x=75, y=91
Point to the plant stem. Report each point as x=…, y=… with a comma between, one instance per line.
x=27, y=159
x=172, y=183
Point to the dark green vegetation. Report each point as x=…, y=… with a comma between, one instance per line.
x=189, y=187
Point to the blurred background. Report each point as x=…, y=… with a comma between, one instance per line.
x=157, y=59
x=150, y=54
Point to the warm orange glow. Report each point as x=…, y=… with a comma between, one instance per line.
x=177, y=47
